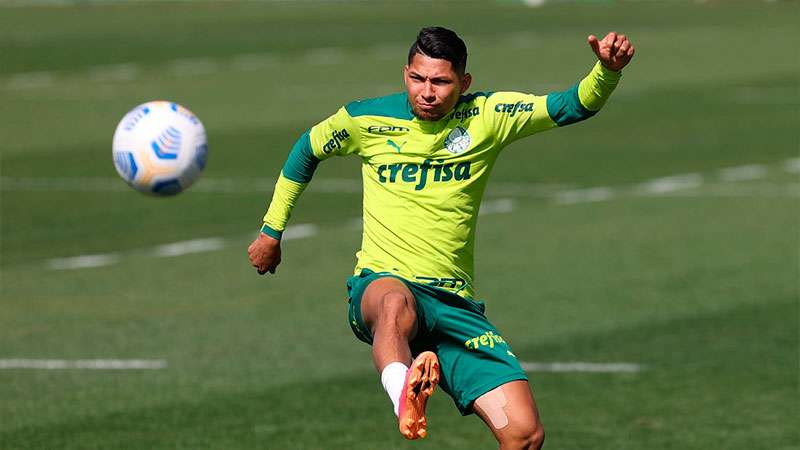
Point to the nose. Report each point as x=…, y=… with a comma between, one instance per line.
x=427, y=92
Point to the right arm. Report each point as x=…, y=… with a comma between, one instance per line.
x=336, y=135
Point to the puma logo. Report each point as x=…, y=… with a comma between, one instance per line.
x=398, y=147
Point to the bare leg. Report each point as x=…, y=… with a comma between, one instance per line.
x=510, y=413
x=389, y=310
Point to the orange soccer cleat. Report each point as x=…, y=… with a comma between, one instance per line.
x=421, y=380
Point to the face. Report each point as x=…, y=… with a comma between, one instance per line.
x=433, y=86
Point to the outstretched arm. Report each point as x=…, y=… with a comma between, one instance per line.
x=517, y=115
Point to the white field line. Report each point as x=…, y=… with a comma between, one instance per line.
x=30, y=80
x=743, y=173
x=792, y=165
x=757, y=189
x=533, y=3
x=517, y=189
x=566, y=367
x=753, y=189
x=672, y=183
x=114, y=72
x=674, y=186
x=499, y=206
x=300, y=231
x=188, y=247
x=596, y=194
x=91, y=364
x=172, y=249
x=83, y=261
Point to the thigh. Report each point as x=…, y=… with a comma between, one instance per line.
x=510, y=411
x=474, y=357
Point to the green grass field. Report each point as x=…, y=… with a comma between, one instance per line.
x=695, y=277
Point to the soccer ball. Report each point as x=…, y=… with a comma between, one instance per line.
x=160, y=148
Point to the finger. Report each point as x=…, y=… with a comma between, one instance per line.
x=611, y=39
x=594, y=44
x=631, y=52
x=261, y=272
x=272, y=270
x=623, y=49
x=621, y=41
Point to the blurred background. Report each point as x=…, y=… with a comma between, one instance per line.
x=656, y=244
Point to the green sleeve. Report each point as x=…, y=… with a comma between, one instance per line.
x=584, y=99
x=336, y=135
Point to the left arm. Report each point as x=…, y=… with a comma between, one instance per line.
x=518, y=115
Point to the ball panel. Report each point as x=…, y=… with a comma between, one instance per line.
x=167, y=187
x=126, y=165
x=167, y=144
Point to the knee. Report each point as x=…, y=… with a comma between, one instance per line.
x=398, y=309
x=536, y=438
x=527, y=438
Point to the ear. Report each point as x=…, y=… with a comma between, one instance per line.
x=405, y=75
x=465, y=82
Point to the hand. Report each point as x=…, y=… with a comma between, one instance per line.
x=265, y=253
x=614, y=51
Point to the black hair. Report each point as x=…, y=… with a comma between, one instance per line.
x=441, y=43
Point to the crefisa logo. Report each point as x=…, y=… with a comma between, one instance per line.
x=457, y=141
x=513, y=108
x=335, y=142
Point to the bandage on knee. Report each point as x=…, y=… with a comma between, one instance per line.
x=492, y=404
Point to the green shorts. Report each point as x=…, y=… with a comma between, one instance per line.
x=473, y=356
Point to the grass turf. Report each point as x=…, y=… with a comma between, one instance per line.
x=699, y=288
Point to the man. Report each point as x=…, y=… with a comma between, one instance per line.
x=426, y=156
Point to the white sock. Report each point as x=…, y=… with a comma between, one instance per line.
x=392, y=378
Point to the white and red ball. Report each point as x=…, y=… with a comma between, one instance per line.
x=160, y=148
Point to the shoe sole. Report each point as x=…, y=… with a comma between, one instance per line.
x=421, y=380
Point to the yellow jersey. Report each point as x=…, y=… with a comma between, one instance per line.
x=423, y=181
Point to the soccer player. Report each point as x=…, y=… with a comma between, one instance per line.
x=426, y=155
